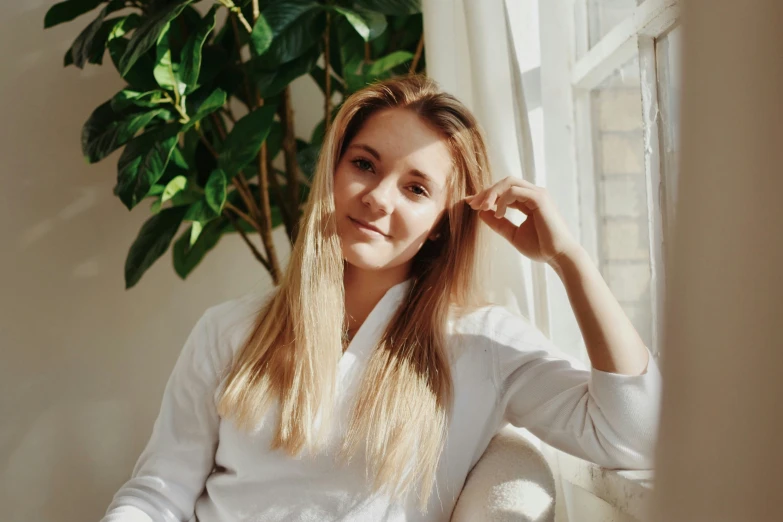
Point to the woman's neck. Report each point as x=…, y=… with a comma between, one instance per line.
x=363, y=290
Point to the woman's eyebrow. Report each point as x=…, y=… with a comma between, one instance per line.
x=367, y=148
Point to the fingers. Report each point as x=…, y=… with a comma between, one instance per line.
x=509, y=192
x=502, y=226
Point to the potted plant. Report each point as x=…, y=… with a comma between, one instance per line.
x=206, y=118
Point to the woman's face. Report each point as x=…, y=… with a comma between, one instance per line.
x=390, y=189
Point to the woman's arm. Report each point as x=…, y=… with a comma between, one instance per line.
x=612, y=342
x=171, y=472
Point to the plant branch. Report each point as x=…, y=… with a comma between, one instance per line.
x=266, y=213
x=176, y=103
x=327, y=79
x=229, y=114
x=207, y=144
x=228, y=4
x=245, y=80
x=282, y=202
x=241, y=214
x=249, y=243
x=218, y=125
x=417, y=56
x=256, y=11
x=286, y=114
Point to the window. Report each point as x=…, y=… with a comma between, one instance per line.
x=610, y=87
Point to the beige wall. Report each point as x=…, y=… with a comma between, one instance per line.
x=82, y=361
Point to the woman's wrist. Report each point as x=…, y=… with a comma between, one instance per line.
x=571, y=260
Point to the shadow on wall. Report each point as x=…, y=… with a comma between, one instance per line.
x=83, y=362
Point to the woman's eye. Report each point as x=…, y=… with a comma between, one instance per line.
x=362, y=164
x=419, y=191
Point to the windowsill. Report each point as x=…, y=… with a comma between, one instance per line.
x=629, y=491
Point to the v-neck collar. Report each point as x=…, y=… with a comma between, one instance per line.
x=369, y=331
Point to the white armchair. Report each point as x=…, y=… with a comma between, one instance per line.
x=512, y=482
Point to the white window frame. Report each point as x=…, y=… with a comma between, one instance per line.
x=569, y=71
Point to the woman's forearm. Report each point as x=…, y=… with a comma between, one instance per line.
x=613, y=343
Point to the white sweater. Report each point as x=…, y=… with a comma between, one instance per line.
x=504, y=370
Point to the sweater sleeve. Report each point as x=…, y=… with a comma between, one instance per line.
x=607, y=418
x=170, y=474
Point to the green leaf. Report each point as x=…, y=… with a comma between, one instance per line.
x=201, y=214
x=262, y=36
x=368, y=24
x=129, y=98
x=187, y=256
x=296, y=26
x=388, y=62
x=165, y=71
x=91, y=42
x=148, y=32
x=244, y=140
x=69, y=10
x=271, y=83
x=107, y=130
x=152, y=242
x=195, y=231
x=274, y=142
x=215, y=190
x=295, y=40
x=190, y=66
x=282, y=14
x=143, y=162
x=139, y=77
x=213, y=102
x=156, y=206
x=307, y=157
x=375, y=21
x=356, y=21
x=392, y=7
x=173, y=187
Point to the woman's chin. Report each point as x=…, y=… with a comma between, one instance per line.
x=364, y=257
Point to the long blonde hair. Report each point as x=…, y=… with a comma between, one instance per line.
x=291, y=355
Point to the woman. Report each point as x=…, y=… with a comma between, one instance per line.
x=370, y=382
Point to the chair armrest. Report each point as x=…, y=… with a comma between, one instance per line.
x=512, y=481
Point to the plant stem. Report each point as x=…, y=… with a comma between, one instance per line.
x=253, y=248
x=241, y=214
x=228, y=4
x=286, y=114
x=327, y=79
x=245, y=80
x=282, y=202
x=256, y=11
x=176, y=103
x=417, y=56
x=266, y=213
x=207, y=144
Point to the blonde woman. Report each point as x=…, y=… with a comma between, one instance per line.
x=367, y=385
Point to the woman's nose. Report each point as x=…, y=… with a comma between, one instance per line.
x=379, y=198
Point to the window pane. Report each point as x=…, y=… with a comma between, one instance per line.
x=598, y=17
x=621, y=194
x=668, y=50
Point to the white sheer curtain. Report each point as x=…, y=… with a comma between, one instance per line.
x=470, y=53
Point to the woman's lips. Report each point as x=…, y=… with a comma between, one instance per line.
x=366, y=228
